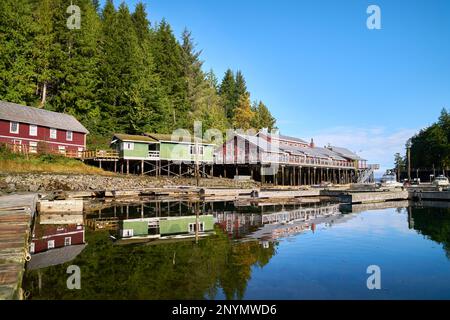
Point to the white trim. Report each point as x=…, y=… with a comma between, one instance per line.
x=52, y=246
x=61, y=234
x=67, y=135
x=35, y=132
x=56, y=133
x=186, y=142
x=10, y=127
x=52, y=142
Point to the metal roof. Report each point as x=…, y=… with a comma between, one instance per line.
x=135, y=138
x=345, y=153
x=45, y=118
x=175, y=138
x=260, y=142
x=283, y=137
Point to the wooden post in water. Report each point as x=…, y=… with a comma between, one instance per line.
x=196, y=222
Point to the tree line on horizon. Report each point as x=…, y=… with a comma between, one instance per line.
x=118, y=73
x=430, y=147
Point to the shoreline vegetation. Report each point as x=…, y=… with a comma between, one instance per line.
x=120, y=72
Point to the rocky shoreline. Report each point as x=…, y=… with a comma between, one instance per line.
x=39, y=182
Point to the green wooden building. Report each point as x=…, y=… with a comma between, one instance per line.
x=165, y=226
x=161, y=154
x=133, y=147
x=183, y=149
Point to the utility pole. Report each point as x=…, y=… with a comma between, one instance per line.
x=196, y=222
x=409, y=161
x=197, y=178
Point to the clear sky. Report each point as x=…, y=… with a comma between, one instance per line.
x=321, y=71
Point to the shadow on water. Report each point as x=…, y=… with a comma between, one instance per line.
x=245, y=239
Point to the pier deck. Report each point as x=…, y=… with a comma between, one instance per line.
x=16, y=215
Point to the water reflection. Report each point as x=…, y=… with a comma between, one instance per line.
x=56, y=239
x=248, y=251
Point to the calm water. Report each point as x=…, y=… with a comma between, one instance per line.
x=253, y=257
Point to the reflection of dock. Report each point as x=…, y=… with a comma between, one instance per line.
x=301, y=214
x=354, y=208
x=103, y=223
x=16, y=214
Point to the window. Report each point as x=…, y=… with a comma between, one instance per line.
x=128, y=146
x=67, y=241
x=33, y=146
x=201, y=227
x=32, y=247
x=62, y=149
x=14, y=127
x=52, y=133
x=50, y=244
x=127, y=233
x=69, y=135
x=200, y=150
x=80, y=151
x=33, y=130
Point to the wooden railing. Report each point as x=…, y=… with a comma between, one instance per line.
x=100, y=154
x=28, y=150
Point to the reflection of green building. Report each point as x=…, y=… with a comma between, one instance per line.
x=165, y=226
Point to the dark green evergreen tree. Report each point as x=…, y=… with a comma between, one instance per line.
x=227, y=92
x=17, y=74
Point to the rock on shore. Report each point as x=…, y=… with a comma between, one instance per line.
x=36, y=182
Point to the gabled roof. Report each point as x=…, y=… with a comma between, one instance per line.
x=173, y=138
x=259, y=142
x=134, y=138
x=19, y=113
x=345, y=153
x=282, y=137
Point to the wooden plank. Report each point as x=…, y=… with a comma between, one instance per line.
x=16, y=212
x=66, y=206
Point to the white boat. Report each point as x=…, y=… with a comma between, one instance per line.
x=389, y=180
x=441, y=181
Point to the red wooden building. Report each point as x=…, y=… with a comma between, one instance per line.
x=47, y=237
x=32, y=129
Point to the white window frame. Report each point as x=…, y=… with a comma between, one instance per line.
x=200, y=148
x=33, y=130
x=11, y=127
x=128, y=146
x=191, y=227
x=53, y=133
x=67, y=241
x=62, y=149
x=51, y=244
x=33, y=147
x=127, y=233
x=32, y=247
x=69, y=135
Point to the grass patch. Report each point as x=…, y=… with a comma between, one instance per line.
x=45, y=163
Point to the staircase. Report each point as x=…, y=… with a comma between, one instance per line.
x=367, y=176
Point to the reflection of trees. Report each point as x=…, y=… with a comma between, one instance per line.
x=180, y=270
x=434, y=223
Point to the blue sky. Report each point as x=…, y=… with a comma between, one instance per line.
x=321, y=71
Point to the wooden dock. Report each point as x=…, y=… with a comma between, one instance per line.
x=16, y=216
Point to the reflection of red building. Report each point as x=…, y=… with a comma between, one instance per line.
x=46, y=237
x=237, y=225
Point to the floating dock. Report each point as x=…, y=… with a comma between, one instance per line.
x=16, y=216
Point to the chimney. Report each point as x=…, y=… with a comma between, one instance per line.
x=312, y=145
